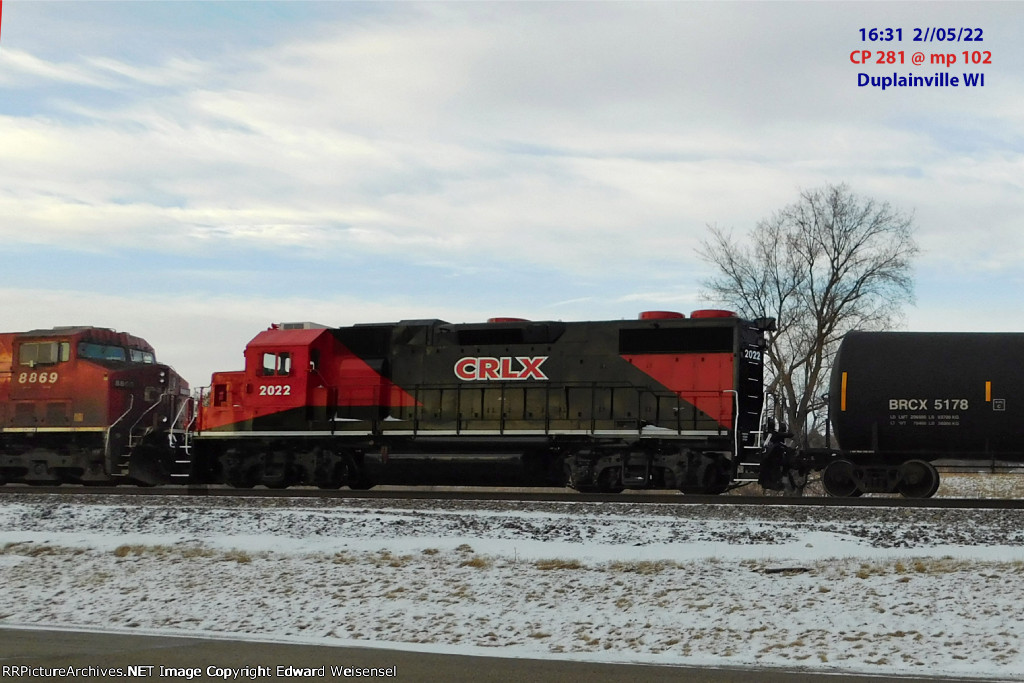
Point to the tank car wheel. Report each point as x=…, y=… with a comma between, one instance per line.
x=918, y=479
x=935, y=486
x=838, y=480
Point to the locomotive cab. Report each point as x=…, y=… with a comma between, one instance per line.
x=283, y=385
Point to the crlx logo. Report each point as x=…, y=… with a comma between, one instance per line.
x=504, y=368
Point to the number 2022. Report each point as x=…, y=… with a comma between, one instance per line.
x=275, y=390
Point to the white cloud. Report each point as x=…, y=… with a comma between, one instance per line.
x=596, y=140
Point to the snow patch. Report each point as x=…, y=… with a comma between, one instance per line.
x=882, y=591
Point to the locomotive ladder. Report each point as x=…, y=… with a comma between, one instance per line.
x=750, y=464
x=749, y=455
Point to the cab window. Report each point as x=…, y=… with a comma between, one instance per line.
x=101, y=351
x=277, y=363
x=44, y=353
x=140, y=356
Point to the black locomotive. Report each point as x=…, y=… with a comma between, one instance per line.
x=662, y=401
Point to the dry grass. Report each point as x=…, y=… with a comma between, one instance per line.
x=547, y=565
x=645, y=567
x=477, y=562
x=29, y=549
x=134, y=551
x=981, y=485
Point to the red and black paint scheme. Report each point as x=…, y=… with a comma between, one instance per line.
x=663, y=401
x=88, y=405
x=899, y=401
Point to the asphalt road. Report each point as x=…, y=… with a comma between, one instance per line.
x=109, y=657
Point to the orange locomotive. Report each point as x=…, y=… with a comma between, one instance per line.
x=88, y=405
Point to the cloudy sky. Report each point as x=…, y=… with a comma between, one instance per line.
x=191, y=172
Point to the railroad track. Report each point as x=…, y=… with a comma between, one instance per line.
x=538, y=495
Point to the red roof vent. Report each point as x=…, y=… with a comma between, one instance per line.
x=660, y=315
x=712, y=313
x=507, y=320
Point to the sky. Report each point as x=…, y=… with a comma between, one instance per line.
x=191, y=172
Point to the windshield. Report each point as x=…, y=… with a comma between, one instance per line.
x=101, y=351
x=140, y=356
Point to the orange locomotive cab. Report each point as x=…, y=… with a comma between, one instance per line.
x=274, y=391
x=299, y=379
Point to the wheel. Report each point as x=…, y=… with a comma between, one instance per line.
x=332, y=476
x=794, y=483
x=716, y=479
x=918, y=479
x=839, y=481
x=242, y=478
x=610, y=480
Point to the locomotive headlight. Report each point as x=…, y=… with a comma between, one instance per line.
x=163, y=377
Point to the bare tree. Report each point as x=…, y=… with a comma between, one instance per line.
x=829, y=263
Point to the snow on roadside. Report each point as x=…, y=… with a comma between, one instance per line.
x=920, y=590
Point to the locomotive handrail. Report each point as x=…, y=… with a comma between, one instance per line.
x=735, y=421
x=147, y=411
x=106, y=435
x=198, y=397
x=669, y=407
x=187, y=429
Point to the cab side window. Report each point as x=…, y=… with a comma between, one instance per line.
x=44, y=353
x=279, y=364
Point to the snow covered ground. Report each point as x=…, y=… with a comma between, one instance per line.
x=884, y=591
